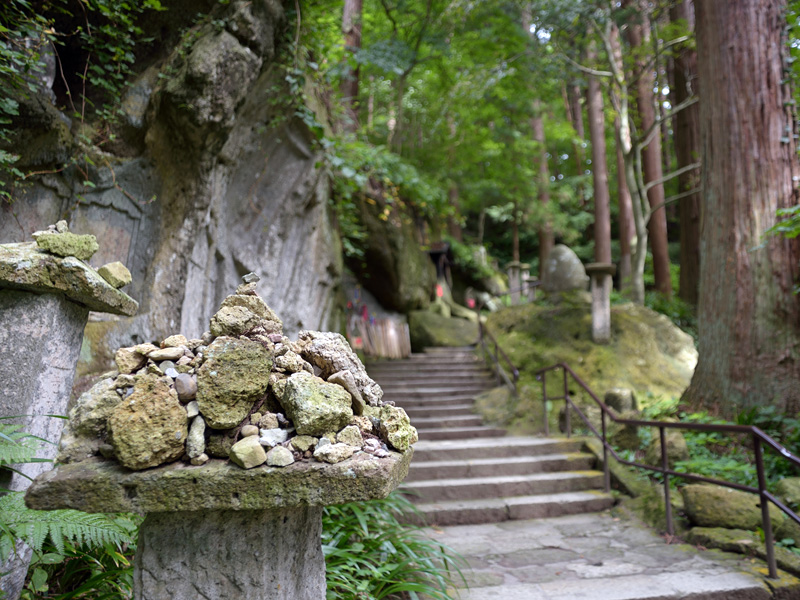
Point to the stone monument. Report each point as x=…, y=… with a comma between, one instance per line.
x=563, y=271
x=230, y=444
x=602, y=283
x=46, y=293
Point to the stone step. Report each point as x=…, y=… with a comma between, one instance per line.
x=426, y=367
x=422, y=381
x=494, y=510
x=423, y=411
x=488, y=467
x=479, y=488
x=459, y=433
x=497, y=447
x=467, y=420
x=406, y=400
x=422, y=391
x=447, y=349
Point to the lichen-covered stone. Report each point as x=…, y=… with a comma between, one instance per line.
x=248, y=453
x=175, y=341
x=333, y=453
x=331, y=353
x=716, y=506
x=196, y=441
x=219, y=445
x=116, y=274
x=129, y=360
x=238, y=314
x=348, y=382
x=249, y=430
x=314, y=405
x=677, y=450
x=301, y=443
x=351, y=436
x=363, y=423
x=788, y=490
x=86, y=429
x=293, y=363
x=23, y=266
x=234, y=375
x=65, y=244
x=396, y=428
x=148, y=428
x=268, y=421
x=279, y=457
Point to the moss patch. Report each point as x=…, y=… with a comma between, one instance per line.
x=427, y=329
x=647, y=354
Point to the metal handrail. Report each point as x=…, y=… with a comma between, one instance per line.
x=759, y=438
x=498, y=352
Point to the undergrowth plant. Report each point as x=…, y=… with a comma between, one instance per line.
x=370, y=555
x=62, y=540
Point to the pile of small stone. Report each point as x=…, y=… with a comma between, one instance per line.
x=242, y=391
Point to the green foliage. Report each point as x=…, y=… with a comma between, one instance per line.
x=465, y=257
x=56, y=535
x=370, y=555
x=679, y=312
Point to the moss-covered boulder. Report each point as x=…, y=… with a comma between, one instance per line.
x=788, y=490
x=68, y=244
x=427, y=329
x=625, y=437
x=749, y=543
x=314, y=405
x=677, y=450
x=233, y=377
x=396, y=428
x=716, y=506
x=149, y=428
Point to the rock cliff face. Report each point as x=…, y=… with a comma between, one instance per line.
x=215, y=182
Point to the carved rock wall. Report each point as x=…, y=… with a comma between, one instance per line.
x=224, y=185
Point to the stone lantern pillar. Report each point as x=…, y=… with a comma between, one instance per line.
x=601, y=275
x=514, y=270
x=218, y=531
x=45, y=299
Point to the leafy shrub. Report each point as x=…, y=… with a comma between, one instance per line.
x=370, y=555
x=679, y=312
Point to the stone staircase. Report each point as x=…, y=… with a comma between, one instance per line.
x=467, y=473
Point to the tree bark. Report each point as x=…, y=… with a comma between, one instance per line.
x=687, y=150
x=546, y=238
x=575, y=114
x=639, y=34
x=748, y=316
x=627, y=229
x=597, y=134
x=351, y=28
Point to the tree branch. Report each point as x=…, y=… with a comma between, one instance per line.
x=587, y=70
x=647, y=136
x=672, y=175
x=672, y=199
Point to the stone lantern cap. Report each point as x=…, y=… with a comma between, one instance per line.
x=100, y=485
x=27, y=266
x=601, y=269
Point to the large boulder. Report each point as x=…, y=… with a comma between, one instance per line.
x=716, y=506
x=563, y=271
x=233, y=377
x=314, y=405
x=149, y=428
x=427, y=329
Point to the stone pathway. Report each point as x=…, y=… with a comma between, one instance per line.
x=593, y=557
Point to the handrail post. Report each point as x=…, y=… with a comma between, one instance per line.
x=606, y=468
x=566, y=403
x=665, y=467
x=544, y=404
x=766, y=523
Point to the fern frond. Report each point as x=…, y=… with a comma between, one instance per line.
x=35, y=526
x=16, y=446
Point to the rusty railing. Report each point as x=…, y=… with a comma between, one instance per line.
x=758, y=437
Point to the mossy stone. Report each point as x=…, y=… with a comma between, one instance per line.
x=788, y=490
x=677, y=450
x=233, y=377
x=82, y=247
x=314, y=405
x=716, y=506
x=428, y=329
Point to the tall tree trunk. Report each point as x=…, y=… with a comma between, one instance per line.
x=546, y=238
x=687, y=150
x=597, y=134
x=575, y=114
x=351, y=28
x=515, y=233
x=748, y=316
x=627, y=229
x=639, y=35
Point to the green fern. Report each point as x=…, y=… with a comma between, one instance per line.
x=34, y=527
x=16, y=446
